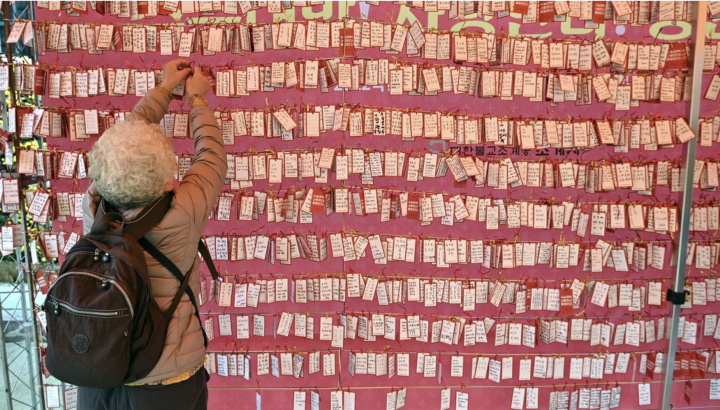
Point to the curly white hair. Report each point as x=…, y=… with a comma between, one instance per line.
x=132, y=164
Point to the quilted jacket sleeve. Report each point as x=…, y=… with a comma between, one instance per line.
x=198, y=192
x=152, y=107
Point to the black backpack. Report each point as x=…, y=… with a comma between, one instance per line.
x=104, y=328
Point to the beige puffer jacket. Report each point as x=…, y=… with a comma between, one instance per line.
x=178, y=233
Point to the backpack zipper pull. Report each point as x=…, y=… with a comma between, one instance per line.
x=56, y=310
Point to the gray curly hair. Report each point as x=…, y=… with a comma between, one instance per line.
x=131, y=164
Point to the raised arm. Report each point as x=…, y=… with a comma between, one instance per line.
x=198, y=192
x=153, y=106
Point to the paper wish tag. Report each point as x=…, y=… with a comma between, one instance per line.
x=518, y=398
x=299, y=400
x=445, y=399
x=461, y=401
x=714, y=389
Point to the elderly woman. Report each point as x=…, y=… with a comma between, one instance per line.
x=132, y=165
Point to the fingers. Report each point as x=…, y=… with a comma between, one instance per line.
x=179, y=63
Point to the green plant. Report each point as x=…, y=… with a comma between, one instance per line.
x=8, y=272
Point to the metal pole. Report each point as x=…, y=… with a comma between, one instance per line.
x=6, y=372
x=27, y=297
x=695, y=61
x=33, y=368
x=6, y=116
x=27, y=287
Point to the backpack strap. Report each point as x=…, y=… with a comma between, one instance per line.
x=205, y=253
x=183, y=279
x=103, y=221
x=167, y=263
x=147, y=219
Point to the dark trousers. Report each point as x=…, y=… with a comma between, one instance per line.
x=192, y=394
